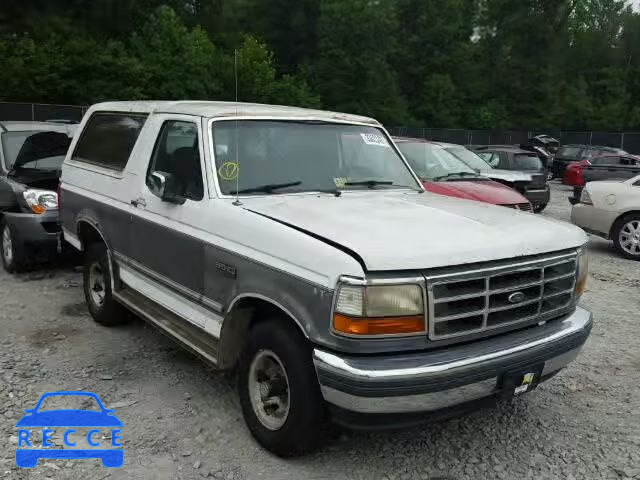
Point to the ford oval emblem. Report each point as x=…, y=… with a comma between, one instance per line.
x=516, y=297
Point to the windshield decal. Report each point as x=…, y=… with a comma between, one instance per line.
x=229, y=171
x=374, y=139
x=340, y=182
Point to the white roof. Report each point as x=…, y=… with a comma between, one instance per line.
x=228, y=109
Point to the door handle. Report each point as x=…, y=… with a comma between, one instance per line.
x=139, y=202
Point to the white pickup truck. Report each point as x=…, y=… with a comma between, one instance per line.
x=298, y=246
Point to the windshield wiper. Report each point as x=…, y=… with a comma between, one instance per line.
x=268, y=188
x=455, y=174
x=368, y=183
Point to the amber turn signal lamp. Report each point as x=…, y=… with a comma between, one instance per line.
x=378, y=326
x=37, y=208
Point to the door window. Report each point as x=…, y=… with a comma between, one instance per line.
x=177, y=153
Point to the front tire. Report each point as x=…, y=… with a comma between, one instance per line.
x=279, y=392
x=13, y=253
x=626, y=236
x=97, y=288
x=539, y=207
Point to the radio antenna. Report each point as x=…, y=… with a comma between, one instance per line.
x=235, y=74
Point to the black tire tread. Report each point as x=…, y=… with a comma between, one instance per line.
x=615, y=234
x=20, y=256
x=305, y=426
x=111, y=313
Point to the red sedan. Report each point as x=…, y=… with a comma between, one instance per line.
x=444, y=174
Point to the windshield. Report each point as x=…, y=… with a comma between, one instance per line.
x=470, y=158
x=34, y=149
x=523, y=161
x=258, y=156
x=432, y=161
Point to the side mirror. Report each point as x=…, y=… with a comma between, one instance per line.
x=166, y=186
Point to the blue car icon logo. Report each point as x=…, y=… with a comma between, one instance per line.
x=68, y=419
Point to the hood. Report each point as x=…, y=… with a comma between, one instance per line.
x=409, y=230
x=507, y=175
x=479, y=190
x=42, y=145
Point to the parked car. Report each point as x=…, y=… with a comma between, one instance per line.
x=299, y=246
x=31, y=155
x=516, y=180
x=547, y=142
x=510, y=157
x=607, y=167
x=568, y=154
x=611, y=209
x=443, y=173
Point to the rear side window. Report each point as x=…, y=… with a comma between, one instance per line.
x=108, y=139
x=524, y=161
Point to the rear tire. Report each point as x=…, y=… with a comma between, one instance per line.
x=626, y=236
x=279, y=392
x=13, y=252
x=97, y=288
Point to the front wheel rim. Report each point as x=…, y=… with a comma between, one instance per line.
x=7, y=245
x=97, y=284
x=269, y=392
x=629, y=237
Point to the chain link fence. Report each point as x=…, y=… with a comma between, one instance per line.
x=629, y=141
x=40, y=112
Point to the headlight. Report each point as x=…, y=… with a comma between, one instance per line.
x=379, y=310
x=585, y=197
x=583, y=271
x=39, y=201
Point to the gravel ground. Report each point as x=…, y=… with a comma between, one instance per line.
x=182, y=420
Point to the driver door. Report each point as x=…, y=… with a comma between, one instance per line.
x=162, y=249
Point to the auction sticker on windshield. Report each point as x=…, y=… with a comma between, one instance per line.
x=91, y=431
x=374, y=139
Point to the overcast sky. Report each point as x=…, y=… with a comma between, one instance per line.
x=636, y=4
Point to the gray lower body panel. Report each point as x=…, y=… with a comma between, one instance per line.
x=31, y=229
x=430, y=381
x=538, y=196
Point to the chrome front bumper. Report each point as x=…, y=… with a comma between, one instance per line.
x=431, y=381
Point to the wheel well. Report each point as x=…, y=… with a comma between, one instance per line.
x=244, y=314
x=621, y=216
x=88, y=234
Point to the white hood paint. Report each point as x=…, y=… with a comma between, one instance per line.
x=507, y=175
x=408, y=231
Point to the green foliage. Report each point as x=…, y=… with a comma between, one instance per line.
x=493, y=64
x=352, y=70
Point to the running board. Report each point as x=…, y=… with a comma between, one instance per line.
x=188, y=335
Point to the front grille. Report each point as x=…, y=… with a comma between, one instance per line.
x=501, y=297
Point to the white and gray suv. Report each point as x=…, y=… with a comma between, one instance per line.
x=298, y=246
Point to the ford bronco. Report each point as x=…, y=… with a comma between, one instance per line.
x=298, y=247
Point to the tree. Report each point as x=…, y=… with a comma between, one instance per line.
x=352, y=70
x=65, y=64
x=177, y=63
